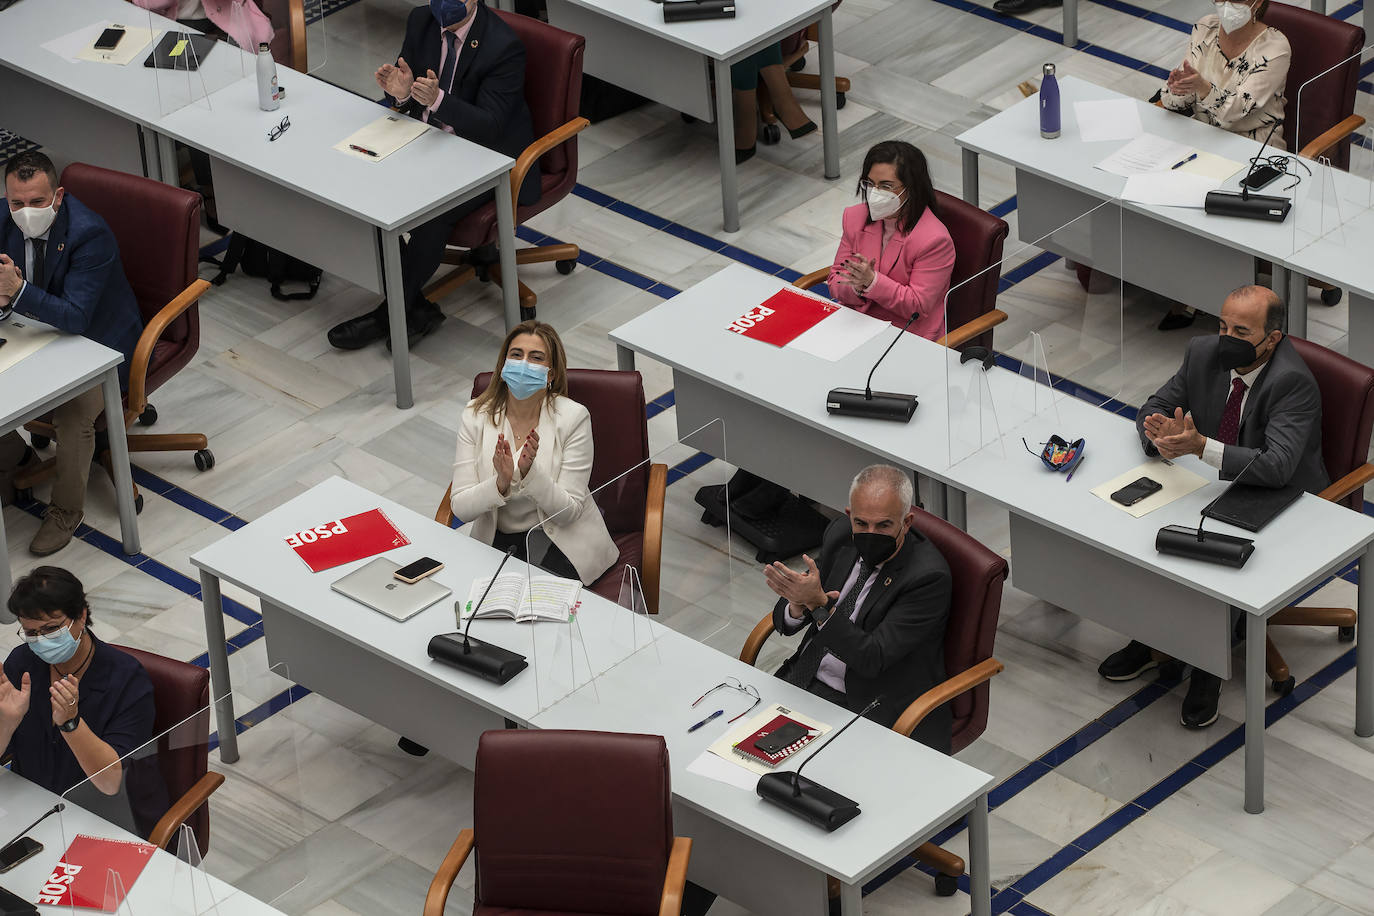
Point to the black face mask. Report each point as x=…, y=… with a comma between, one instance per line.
x=1235, y=352
x=874, y=548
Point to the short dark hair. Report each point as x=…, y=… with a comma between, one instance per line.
x=912, y=172
x=1261, y=9
x=28, y=164
x=1276, y=315
x=48, y=589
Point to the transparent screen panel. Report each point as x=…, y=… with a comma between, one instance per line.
x=316, y=38
x=1330, y=186
x=189, y=67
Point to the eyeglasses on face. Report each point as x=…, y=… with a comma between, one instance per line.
x=280, y=129
x=31, y=636
x=734, y=684
x=894, y=187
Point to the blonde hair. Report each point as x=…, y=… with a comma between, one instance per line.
x=492, y=402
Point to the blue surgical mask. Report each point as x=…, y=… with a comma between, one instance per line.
x=524, y=379
x=55, y=648
x=450, y=12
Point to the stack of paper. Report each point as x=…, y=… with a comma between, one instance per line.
x=1168, y=189
x=382, y=137
x=1146, y=153
x=1108, y=119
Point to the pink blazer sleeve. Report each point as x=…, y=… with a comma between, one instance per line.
x=929, y=254
x=849, y=244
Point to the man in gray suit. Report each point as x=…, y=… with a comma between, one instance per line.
x=1245, y=403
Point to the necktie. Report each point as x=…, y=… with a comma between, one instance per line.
x=450, y=61
x=1230, y=417
x=39, y=248
x=809, y=662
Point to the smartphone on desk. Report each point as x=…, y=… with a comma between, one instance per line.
x=1260, y=177
x=110, y=38
x=18, y=852
x=414, y=572
x=1136, y=490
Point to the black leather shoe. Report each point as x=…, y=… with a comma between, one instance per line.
x=1176, y=321
x=419, y=323
x=1200, y=705
x=411, y=747
x=1129, y=663
x=744, y=155
x=1020, y=7
x=808, y=128
x=356, y=333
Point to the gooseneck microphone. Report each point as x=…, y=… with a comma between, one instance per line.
x=796, y=776
x=1210, y=546
x=810, y=800
x=484, y=659
x=55, y=809
x=1245, y=204
x=882, y=405
x=466, y=646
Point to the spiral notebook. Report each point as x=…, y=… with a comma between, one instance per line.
x=738, y=745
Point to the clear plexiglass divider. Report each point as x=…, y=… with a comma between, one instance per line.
x=188, y=68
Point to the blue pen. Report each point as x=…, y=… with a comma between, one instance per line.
x=718, y=712
x=1185, y=161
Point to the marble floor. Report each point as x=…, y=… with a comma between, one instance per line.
x=1130, y=814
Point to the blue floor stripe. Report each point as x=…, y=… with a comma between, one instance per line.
x=1005, y=207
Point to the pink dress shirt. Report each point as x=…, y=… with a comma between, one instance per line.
x=460, y=38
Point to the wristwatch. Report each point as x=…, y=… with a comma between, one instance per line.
x=821, y=613
x=71, y=724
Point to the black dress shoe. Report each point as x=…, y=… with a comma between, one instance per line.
x=1173, y=321
x=356, y=333
x=1200, y=705
x=410, y=747
x=808, y=128
x=744, y=155
x=1129, y=663
x=419, y=323
x=1020, y=7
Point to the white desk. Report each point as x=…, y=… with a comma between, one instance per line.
x=745, y=849
x=1068, y=546
x=50, y=377
x=341, y=213
x=630, y=45
x=156, y=890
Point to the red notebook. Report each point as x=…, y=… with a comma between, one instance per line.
x=782, y=317
x=749, y=746
x=82, y=876
x=335, y=543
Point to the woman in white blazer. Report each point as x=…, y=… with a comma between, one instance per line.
x=525, y=457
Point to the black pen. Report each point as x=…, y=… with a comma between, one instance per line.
x=718, y=712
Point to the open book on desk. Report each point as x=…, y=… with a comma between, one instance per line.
x=523, y=599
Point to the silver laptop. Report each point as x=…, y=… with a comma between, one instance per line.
x=375, y=586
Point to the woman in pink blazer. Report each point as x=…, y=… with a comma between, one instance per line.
x=895, y=255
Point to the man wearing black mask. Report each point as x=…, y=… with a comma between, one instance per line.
x=1242, y=396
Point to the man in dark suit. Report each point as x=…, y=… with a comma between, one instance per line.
x=1245, y=403
x=59, y=263
x=462, y=69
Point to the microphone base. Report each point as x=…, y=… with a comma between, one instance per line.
x=884, y=405
x=1222, y=549
x=823, y=807
x=1255, y=206
x=487, y=661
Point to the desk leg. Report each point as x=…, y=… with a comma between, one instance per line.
x=396, y=316
x=956, y=508
x=5, y=581
x=725, y=138
x=624, y=358
x=939, y=499
x=979, y=863
x=970, y=176
x=829, y=117
x=1070, y=23
x=1364, y=648
x=505, y=243
x=851, y=900
x=119, y=461
x=218, y=652
x=1254, y=713
x=1296, y=298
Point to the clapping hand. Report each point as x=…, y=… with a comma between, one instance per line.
x=528, y=452
x=801, y=589
x=14, y=701
x=857, y=271
x=64, y=699
x=1184, y=80
x=396, y=80
x=426, y=89
x=1174, y=436
x=11, y=278
x=503, y=462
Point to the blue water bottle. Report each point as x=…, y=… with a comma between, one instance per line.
x=1049, y=104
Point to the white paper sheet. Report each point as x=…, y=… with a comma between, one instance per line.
x=718, y=768
x=77, y=45
x=838, y=334
x=1169, y=189
x=383, y=136
x=1146, y=153
x=1177, y=482
x=1108, y=119
x=22, y=339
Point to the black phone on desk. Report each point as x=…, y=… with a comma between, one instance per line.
x=110, y=38
x=1136, y=490
x=18, y=852
x=1264, y=175
x=414, y=572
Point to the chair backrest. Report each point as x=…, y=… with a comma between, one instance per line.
x=978, y=238
x=1319, y=43
x=180, y=691
x=975, y=604
x=288, y=32
x=620, y=430
x=1347, y=391
x=553, y=92
x=157, y=228
x=572, y=821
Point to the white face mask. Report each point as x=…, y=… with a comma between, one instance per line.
x=1234, y=16
x=882, y=204
x=34, y=221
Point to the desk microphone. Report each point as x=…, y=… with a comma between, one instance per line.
x=487, y=661
x=1245, y=204
x=810, y=800
x=1210, y=546
x=884, y=405
x=55, y=809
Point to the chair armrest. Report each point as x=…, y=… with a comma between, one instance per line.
x=653, y=535
x=556, y=137
x=815, y=278
x=448, y=873
x=138, y=366
x=944, y=692
x=1349, y=483
x=296, y=33
x=971, y=329
x=184, y=807
x=762, y=630
x=676, y=877
x=1323, y=142
x=444, y=514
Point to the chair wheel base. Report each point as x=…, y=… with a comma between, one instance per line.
x=770, y=135
x=945, y=886
x=148, y=417
x=138, y=504
x=1284, y=688
x=527, y=314
x=1345, y=634
x=839, y=100
x=1331, y=296
x=40, y=442
x=565, y=267
x=205, y=459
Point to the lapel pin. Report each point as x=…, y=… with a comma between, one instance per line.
x=473, y=43
x=887, y=582
x=61, y=245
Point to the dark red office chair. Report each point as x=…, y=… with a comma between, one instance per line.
x=975, y=604
x=971, y=310
x=288, y=32
x=569, y=822
x=632, y=506
x=1347, y=391
x=157, y=228
x=1326, y=119
x=181, y=693
x=553, y=92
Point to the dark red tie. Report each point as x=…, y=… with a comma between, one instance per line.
x=1230, y=417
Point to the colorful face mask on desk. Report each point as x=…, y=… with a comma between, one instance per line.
x=524, y=379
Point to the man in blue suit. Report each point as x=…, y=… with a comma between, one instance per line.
x=59, y=264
